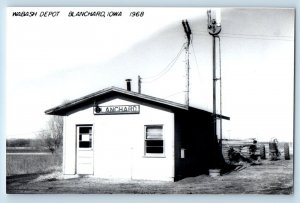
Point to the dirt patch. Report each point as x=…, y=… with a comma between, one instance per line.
x=272, y=177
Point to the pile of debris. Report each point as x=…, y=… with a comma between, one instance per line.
x=239, y=152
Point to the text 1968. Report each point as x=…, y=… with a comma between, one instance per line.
x=136, y=14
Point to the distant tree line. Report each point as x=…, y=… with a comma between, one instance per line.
x=21, y=142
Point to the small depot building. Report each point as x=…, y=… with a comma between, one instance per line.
x=120, y=134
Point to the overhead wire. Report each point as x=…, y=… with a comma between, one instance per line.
x=168, y=67
x=165, y=70
x=176, y=93
x=258, y=38
x=264, y=36
x=194, y=54
x=247, y=36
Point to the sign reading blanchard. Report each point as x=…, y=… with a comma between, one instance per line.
x=116, y=109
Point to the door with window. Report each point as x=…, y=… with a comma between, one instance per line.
x=85, y=152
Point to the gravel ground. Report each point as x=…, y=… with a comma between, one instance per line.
x=272, y=177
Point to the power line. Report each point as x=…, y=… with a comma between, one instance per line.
x=267, y=36
x=194, y=53
x=176, y=93
x=168, y=67
x=258, y=37
x=165, y=70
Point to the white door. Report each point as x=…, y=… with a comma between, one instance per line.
x=85, y=152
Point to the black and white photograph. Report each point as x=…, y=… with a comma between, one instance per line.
x=150, y=100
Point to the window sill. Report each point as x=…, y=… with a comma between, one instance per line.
x=154, y=156
x=85, y=149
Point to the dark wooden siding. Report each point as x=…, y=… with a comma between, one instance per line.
x=194, y=132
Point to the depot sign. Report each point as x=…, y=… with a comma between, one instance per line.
x=117, y=109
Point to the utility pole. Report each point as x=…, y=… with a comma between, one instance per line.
x=188, y=33
x=214, y=28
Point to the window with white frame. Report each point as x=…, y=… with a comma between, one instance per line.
x=154, y=143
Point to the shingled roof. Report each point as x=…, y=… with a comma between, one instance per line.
x=113, y=91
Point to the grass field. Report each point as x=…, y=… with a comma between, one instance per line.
x=28, y=163
x=41, y=173
x=271, y=177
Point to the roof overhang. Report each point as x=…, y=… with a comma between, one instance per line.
x=109, y=92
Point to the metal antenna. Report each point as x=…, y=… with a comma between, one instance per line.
x=188, y=33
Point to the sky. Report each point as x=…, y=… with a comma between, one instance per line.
x=53, y=59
